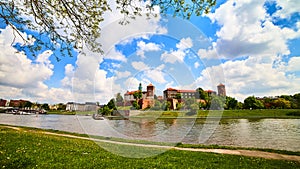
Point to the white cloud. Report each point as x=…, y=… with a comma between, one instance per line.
x=287, y=8
x=139, y=66
x=22, y=78
x=184, y=43
x=294, y=64
x=210, y=53
x=16, y=70
x=146, y=47
x=115, y=55
x=179, y=54
x=246, y=29
x=249, y=77
x=122, y=74
x=173, y=56
x=196, y=65
x=156, y=75
x=114, y=33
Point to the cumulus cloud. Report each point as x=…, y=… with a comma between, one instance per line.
x=139, y=66
x=19, y=72
x=156, y=74
x=247, y=32
x=146, y=47
x=287, y=8
x=113, y=54
x=122, y=74
x=246, y=29
x=185, y=43
x=179, y=54
x=293, y=64
x=249, y=77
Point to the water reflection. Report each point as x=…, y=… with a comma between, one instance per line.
x=261, y=133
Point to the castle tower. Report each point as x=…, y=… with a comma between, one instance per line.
x=140, y=87
x=150, y=90
x=221, y=90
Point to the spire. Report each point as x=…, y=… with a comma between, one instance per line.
x=140, y=87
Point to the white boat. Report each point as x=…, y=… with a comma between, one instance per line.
x=98, y=117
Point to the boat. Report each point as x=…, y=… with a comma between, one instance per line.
x=98, y=117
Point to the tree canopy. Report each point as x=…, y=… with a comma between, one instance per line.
x=76, y=22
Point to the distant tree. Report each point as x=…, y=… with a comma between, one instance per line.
x=252, y=103
x=61, y=106
x=119, y=97
x=217, y=103
x=188, y=102
x=111, y=104
x=239, y=105
x=105, y=111
x=231, y=103
x=157, y=105
x=179, y=105
x=268, y=103
x=27, y=104
x=296, y=100
x=202, y=105
x=45, y=106
x=155, y=96
x=287, y=97
x=137, y=95
x=178, y=96
x=194, y=108
x=282, y=103
x=167, y=106
x=203, y=95
x=135, y=105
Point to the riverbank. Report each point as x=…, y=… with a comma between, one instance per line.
x=35, y=148
x=226, y=114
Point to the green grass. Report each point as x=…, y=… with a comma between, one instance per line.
x=71, y=112
x=33, y=149
x=261, y=113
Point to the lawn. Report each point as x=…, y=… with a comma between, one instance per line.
x=29, y=148
x=261, y=113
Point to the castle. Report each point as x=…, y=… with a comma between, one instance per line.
x=147, y=99
x=173, y=95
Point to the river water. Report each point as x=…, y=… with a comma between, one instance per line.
x=282, y=134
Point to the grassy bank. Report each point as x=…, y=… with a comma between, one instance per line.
x=27, y=148
x=261, y=113
x=62, y=112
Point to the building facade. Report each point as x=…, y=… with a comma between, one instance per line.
x=88, y=106
x=171, y=93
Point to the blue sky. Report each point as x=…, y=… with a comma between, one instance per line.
x=252, y=47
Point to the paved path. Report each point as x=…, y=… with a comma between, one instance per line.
x=249, y=153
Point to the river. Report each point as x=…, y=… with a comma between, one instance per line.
x=281, y=134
